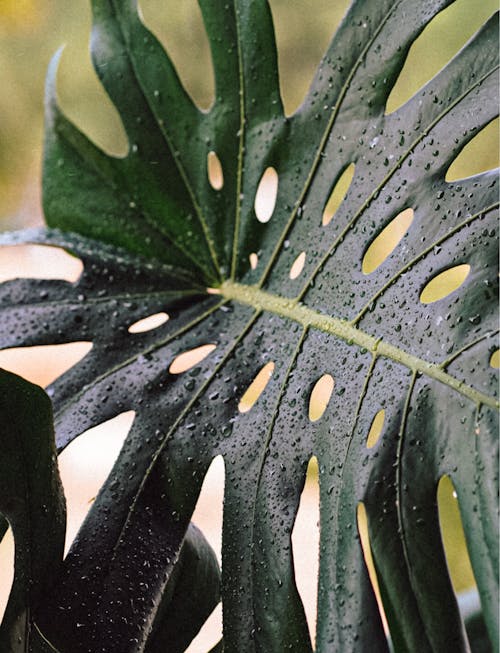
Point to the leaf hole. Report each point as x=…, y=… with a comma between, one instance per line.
x=478, y=155
x=338, y=193
x=7, y=555
x=190, y=358
x=214, y=171
x=256, y=388
x=42, y=364
x=444, y=283
x=85, y=102
x=495, y=359
x=320, y=397
x=386, y=242
x=297, y=266
x=452, y=535
x=294, y=22
x=438, y=43
x=148, y=323
x=254, y=260
x=265, y=197
x=362, y=520
x=375, y=429
x=209, y=634
x=305, y=545
x=208, y=517
x=209, y=507
x=38, y=262
x=86, y=463
x=180, y=29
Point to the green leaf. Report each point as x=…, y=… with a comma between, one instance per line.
x=153, y=233
x=191, y=594
x=32, y=500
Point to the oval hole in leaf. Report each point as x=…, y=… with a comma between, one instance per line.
x=452, y=534
x=254, y=260
x=362, y=520
x=320, y=396
x=214, y=171
x=435, y=46
x=38, y=262
x=256, y=388
x=6, y=569
x=148, y=323
x=375, y=429
x=42, y=364
x=265, y=197
x=338, y=194
x=85, y=465
x=305, y=545
x=480, y=154
x=495, y=359
x=297, y=266
x=444, y=283
x=386, y=242
x=190, y=358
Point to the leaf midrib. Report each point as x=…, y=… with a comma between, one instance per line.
x=310, y=318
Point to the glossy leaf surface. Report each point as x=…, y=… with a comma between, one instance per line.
x=32, y=500
x=153, y=233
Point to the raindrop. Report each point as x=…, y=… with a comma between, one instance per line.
x=256, y=388
x=254, y=260
x=375, y=429
x=267, y=192
x=495, y=359
x=444, y=283
x=148, y=323
x=362, y=520
x=386, y=242
x=298, y=265
x=338, y=194
x=320, y=396
x=214, y=171
x=190, y=358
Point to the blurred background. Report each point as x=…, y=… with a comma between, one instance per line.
x=30, y=33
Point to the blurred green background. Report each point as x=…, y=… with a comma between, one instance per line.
x=31, y=31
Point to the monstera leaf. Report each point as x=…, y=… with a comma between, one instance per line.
x=31, y=498
x=286, y=294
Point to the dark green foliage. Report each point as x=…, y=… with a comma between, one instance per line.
x=153, y=233
x=32, y=500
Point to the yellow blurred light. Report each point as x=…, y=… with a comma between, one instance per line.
x=19, y=14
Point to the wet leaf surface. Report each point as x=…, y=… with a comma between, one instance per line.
x=32, y=502
x=155, y=229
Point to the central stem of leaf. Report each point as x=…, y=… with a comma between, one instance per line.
x=309, y=318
